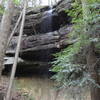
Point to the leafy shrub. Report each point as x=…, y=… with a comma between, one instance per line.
x=70, y=64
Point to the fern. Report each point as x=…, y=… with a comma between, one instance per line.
x=70, y=64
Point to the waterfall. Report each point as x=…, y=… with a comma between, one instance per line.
x=50, y=11
x=47, y=21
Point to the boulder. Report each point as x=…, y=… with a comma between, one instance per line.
x=63, y=5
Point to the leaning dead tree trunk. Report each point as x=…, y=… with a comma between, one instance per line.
x=16, y=54
x=5, y=31
x=17, y=23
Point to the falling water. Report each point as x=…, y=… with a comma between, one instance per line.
x=46, y=25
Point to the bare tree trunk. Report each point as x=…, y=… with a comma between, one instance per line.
x=5, y=31
x=1, y=2
x=16, y=55
x=92, y=66
x=91, y=57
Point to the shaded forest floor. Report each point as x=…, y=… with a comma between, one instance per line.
x=16, y=93
x=41, y=88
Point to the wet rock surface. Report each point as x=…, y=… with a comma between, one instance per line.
x=45, y=19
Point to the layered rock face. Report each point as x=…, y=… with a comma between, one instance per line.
x=45, y=33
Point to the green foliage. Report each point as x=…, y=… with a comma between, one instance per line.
x=70, y=64
x=17, y=2
x=1, y=9
x=75, y=12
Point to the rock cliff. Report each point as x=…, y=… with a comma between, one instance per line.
x=45, y=33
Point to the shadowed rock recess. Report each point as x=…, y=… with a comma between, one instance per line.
x=45, y=33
